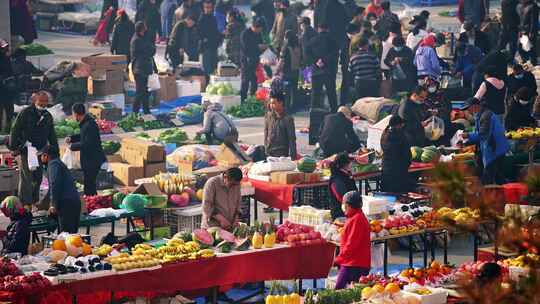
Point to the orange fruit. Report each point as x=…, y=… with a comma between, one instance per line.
x=405, y=273
x=413, y=280
x=392, y=288
x=59, y=245
x=435, y=265
x=418, y=273
x=74, y=240
x=86, y=249
x=378, y=288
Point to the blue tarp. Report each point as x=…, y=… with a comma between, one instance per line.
x=166, y=107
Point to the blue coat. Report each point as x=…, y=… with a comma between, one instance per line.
x=489, y=135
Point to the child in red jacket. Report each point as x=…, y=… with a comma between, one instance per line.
x=355, y=247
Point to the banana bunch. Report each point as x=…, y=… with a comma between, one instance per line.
x=206, y=253
x=172, y=183
x=524, y=260
x=124, y=261
x=103, y=250
x=523, y=133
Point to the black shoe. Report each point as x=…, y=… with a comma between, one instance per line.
x=269, y=210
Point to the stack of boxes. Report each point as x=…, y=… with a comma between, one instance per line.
x=138, y=159
x=107, y=75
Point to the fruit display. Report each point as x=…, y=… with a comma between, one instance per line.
x=422, y=275
x=399, y=224
x=103, y=250
x=66, y=127
x=416, y=153
x=461, y=216
x=429, y=154
x=110, y=147
x=173, y=136
x=288, y=228
x=307, y=165
x=523, y=133
x=124, y=261
x=174, y=183
x=221, y=89
x=292, y=298
x=373, y=279
x=379, y=291
x=203, y=238
x=94, y=202
x=429, y=220
x=249, y=108
x=24, y=283
x=105, y=126
x=473, y=269
x=175, y=250
x=524, y=260
x=7, y=267
x=73, y=245
x=377, y=230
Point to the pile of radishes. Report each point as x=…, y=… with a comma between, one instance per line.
x=94, y=202
x=298, y=235
x=24, y=283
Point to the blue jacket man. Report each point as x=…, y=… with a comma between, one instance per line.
x=490, y=140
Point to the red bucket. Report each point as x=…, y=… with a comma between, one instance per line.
x=515, y=192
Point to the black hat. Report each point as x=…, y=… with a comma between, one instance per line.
x=353, y=199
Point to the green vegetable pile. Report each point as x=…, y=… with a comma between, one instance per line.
x=36, y=49
x=173, y=136
x=143, y=136
x=66, y=128
x=154, y=124
x=221, y=89
x=250, y=108
x=110, y=147
x=130, y=122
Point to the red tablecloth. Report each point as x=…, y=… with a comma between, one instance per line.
x=307, y=262
x=273, y=195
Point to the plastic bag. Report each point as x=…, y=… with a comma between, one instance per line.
x=434, y=129
x=268, y=57
x=398, y=73
x=153, y=82
x=71, y=160
x=32, y=157
x=377, y=256
x=525, y=42
x=57, y=112
x=261, y=76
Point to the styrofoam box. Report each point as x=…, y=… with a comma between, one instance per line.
x=225, y=101
x=437, y=296
x=373, y=205
x=375, y=133
x=42, y=62
x=235, y=81
x=119, y=100
x=188, y=88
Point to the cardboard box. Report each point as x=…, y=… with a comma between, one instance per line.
x=115, y=158
x=106, y=62
x=168, y=90
x=126, y=174
x=211, y=171
x=151, y=170
x=140, y=152
x=109, y=82
x=148, y=188
x=287, y=177
x=227, y=70
x=231, y=155
x=105, y=111
x=310, y=178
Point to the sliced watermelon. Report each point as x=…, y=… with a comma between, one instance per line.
x=202, y=237
x=225, y=236
x=242, y=244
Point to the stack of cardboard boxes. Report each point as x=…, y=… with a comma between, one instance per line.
x=107, y=75
x=138, y=159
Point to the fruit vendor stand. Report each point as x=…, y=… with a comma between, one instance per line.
x=205, y=275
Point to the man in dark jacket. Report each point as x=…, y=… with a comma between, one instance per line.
x=510, y=25
x=412, y=112
x=401, y=57
x=122, y=34
x=265, y=9
x=519, y=111
x=252, y=47
x=285, y=21
x=307, y=32
x=148, y=12
x=322, y=55
x=211, y=38
x=519, y=79
x=279, y=130
x=528, y=12
x=8, y=87
x=66, y=203
x=387, y=21
x=89, y=143
x=475, y=37
x=474, y=11
x=188, y=8
x=143, y=50
x=337, y=133
x=184, y=38
x=35, y=125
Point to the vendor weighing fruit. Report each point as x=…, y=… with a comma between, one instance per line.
x=354, y=258
x=221, y=200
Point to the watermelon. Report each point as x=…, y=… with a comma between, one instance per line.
x=428, y=156
x=214, y=233
x=225, y=235
x=431, y=148
x=134, y=202
x=242, y=245
x=117, y=200
x=307, y=165
x=416, y=153
x=203, y=237
x=185, y=236
x=225, y=247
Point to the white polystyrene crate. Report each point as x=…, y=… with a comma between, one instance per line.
x=437, y=296
x=235, y=81
x=373, y=205
x=226, y=101
x=188, y=88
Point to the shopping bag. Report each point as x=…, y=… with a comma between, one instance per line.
x=435, y=128
x=259, y=72
x=377, y=256
x=268, y=58
x=71, y=160
x=525, y=42
x=32, y=158
x=153, y=82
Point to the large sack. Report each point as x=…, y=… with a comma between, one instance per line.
x=369, y=108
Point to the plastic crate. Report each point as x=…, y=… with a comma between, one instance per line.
x=245, y=210
x=105, y=179
x=317, y=197
x=184, y=219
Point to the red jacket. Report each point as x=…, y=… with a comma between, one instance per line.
x=355, y=245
